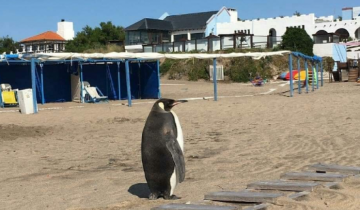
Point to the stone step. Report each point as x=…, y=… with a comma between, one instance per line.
x=309, y=176
x=243, y=197
x=335, y=168
x=192, y=207
x=283, y=186
x=258, y=207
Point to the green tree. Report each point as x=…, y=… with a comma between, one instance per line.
x=93, y=38
x=297, y=13
x=340, y=18
x=7, y=44
x=296, y=39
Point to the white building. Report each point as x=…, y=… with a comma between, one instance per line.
x=266, y=32
x=276, y=27
x=50, y=41
x=66, y=30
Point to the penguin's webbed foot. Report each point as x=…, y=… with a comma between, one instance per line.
x=153, y=196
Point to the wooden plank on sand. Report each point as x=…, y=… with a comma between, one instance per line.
x=309, y=176
x=192, y=207
x=258, y=207
x=332, y=185
x=243, y=197
x=283, y=186
x=298, y=195
x=335, y=168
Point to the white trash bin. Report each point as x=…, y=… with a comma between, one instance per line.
x=25, y=98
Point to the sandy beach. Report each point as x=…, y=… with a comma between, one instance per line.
x=74, y=156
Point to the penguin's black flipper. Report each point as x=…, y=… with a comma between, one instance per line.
x=178, y=157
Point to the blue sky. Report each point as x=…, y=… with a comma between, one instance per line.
x=24, y=18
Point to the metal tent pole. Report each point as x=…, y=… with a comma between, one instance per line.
x=106, y=79
x=215, y=80
x=81, y=83
x=33, y=84
x=119, y=83
x=291, y=76
x=317, y=75
x=42, y=84
x=299, y=74
x=128, y=82
x=322, y=74
x=307, y=76
x=1, y=101
x=313, y=76
x=158, y=72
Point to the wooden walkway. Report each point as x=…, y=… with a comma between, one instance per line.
x=260, y=195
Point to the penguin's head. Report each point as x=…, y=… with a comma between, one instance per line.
x=167, y=104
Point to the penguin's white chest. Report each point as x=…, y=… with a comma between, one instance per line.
x=180, y=140
x=180, y=137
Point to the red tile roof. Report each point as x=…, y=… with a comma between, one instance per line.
x=49, y=35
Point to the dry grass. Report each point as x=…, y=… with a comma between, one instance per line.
x=106, y=49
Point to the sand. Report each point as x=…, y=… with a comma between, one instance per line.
x=83, y=157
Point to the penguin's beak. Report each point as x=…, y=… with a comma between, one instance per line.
x=179, y=102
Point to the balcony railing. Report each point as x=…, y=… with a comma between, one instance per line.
x=215, y=44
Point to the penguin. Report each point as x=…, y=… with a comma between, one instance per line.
x=162, y=150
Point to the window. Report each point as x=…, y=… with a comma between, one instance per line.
x=145, y=37
x=197, y=36
x=180, y=38
x=165, y=37
x=134, y=37
x=50, y=47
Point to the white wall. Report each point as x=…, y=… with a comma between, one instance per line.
x=353, y=55
x=66, y=30
x=356, y=12
x=134, y=48
x=325, y=19
x=312, y=25
x=187, y=31
x=333, y=50
x=324, y=50
x=233, y=15
x=263, y=26
x=350, y=25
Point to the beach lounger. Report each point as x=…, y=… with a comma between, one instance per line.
x=94, y=95
x=8, y=96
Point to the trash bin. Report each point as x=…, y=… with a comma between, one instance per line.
x=26, y=102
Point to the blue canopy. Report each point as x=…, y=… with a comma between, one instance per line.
x=311, y=58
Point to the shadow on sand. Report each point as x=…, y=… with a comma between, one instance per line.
x=141, y=190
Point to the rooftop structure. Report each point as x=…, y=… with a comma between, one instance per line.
x=49, y=41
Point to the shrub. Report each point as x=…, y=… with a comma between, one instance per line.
x=244, y=69
x=297, y=39
x=166, y=66
x=197, y=69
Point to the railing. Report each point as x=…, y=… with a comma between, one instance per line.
x=215, y=44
